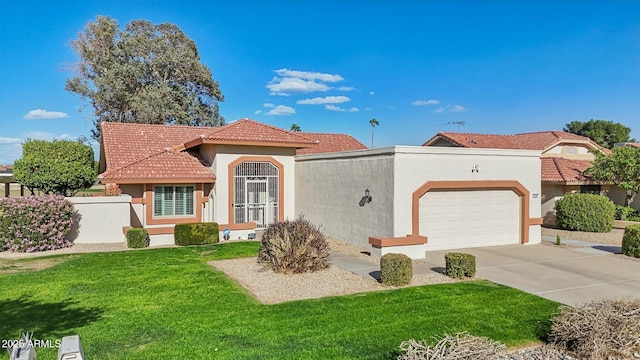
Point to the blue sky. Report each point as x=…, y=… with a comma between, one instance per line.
x=329, y=66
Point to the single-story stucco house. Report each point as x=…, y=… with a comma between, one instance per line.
x=564, y=158
x=240, y=175
x=247, y=175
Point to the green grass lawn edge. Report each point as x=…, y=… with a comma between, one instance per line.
x=161, y=303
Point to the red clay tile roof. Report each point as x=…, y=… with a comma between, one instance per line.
x=632, y=144
x=246, y=130
x=124, y=144
x=541, y=140
x=330, y=143
x=163, y=166
x=135, y=152
x=557, y=169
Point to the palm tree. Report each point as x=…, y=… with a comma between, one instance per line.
x=373, y=123
x=295, y=128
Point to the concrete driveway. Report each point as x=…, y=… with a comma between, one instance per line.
x=566, y=275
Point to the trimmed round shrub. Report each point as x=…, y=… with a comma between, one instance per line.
x=631, y=241
x=585, y=212
x=459, y=265
x=138, y=238
x=35, y=223
x=294, y=247
x=396, y=269
x=196, y=233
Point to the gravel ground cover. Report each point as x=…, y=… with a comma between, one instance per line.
x=271, y=288
x=614, y=237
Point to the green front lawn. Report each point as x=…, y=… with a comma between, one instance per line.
x=169, y=304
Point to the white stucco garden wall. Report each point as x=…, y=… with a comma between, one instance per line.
x=329, y=186
x=102, y=218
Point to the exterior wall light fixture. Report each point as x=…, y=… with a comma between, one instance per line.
x=475, y=168
x=366, y=198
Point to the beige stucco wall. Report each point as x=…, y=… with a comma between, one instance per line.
x=225, y=154
x=550, y=193
x=329, y=186
x=102, y=218
x=136, y=211
x=570, y=151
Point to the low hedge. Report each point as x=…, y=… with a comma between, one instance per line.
x=196, y=233
x=631, y=241
x=585, y=212
x=396, y=269
x=459, y=265
x=137, y=238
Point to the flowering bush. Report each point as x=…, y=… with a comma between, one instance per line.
x=35, y=223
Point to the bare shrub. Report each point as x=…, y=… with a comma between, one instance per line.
x=453, y=347
x=599, y=329
x=293, y=247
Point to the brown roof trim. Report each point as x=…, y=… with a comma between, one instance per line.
x=157, y=181
x=441, y=136
x=258, y=143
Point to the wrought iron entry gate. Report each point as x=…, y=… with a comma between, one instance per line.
x=256, y=193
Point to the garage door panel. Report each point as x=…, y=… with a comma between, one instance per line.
x=469, y=218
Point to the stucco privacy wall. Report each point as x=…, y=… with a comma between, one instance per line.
x=101, y=218
x=329, y=186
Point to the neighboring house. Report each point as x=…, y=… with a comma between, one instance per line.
x=564, y=158
x=240, y=175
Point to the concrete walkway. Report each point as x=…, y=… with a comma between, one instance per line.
x=571, y=275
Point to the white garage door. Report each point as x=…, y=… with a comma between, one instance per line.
x=454, y=219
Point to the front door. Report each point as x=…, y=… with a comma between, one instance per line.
x=256, y=206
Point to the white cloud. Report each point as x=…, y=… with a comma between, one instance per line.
x=41, y=135
x=284, y=86
x=8, y=140
x=353, y=109
x=66, y=137
x=324, y=100
x=372, y=92
x=40, y=114
x=268, y=105
x=333, y=108
x=346, y=88
x=308, y=75
x=425, y=102
x=450, y=108
x=282, y=110
x=257, y=112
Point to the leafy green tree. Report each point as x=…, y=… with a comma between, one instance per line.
x=295, y=128
x=621, y=167
x=373, y=122
x=604, y=132
x=57, y=167
x=147, y=73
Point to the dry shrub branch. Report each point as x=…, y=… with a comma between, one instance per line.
x=453, y=347
x=599, y=329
